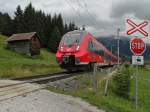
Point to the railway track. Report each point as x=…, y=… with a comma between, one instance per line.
x=22, y=86
x=41, y=76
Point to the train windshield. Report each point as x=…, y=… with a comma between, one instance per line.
x=72, y=39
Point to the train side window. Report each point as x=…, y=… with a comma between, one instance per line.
x=100, y=52
x=108, y=57
x=90, y=46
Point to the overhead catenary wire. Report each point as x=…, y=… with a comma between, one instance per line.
x=77, y=13
x=67, y=1
x=69, y=4
x=84, y=6
x=92, y=18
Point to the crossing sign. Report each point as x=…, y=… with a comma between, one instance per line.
x=137, y=46
x=139, y=28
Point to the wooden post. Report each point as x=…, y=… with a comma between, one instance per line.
x=95, y=78
x=106, y=87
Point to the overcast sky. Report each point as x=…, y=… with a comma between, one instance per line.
x=100, y=17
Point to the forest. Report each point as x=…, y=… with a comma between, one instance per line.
x=49, y=28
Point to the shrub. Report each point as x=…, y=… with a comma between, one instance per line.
x=122, y=82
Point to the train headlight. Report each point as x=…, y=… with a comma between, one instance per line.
x=61, y=48
x=77, y=48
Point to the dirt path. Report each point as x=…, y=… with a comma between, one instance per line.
x=46, y=101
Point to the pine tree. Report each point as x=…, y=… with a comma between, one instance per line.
x=18, y=20
x=60, y=24
x=1, y=22
x=54, y=21
x=29, y=19
x=122, y=82
x=39, y=26
x=71, y=26
x=53, y=42
x=6, y=24
x=66, y=29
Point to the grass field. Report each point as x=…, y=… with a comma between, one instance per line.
x=15, y=65
x=112, y=102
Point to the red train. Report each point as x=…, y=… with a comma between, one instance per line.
x=79, y=50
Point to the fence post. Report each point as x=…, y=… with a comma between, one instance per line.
x=106, y=87
x=95, y=77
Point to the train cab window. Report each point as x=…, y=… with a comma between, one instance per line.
x=71, y=39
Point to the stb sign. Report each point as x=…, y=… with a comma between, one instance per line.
x=137, y=46
x=137, y=60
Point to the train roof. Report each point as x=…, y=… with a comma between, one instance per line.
x=78, y=31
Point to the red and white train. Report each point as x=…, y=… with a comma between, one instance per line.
x=79, y=50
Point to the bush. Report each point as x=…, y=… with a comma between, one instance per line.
x=122, y=82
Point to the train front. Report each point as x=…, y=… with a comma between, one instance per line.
x=69, y=50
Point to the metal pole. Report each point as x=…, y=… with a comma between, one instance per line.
x=118, y=30
x=111, y=49
x=118, y=52
x=136, y=87
x=111, y=52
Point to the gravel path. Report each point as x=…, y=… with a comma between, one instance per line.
x=46, y=101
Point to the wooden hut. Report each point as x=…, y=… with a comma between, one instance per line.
x=25, y=43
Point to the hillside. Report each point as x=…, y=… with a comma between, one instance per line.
x=125, y=52
x=15, y=65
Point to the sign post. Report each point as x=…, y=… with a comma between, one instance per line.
x=117, y=37
x=136, y=87
x=118, y=30
x=137, y=46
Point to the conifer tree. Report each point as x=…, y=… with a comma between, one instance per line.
x=53, y=42
x=18, y=20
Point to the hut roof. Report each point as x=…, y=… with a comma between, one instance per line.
x=21, y=36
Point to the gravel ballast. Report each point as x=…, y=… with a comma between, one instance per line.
x=46, y=101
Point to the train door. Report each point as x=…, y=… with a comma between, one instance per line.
x=91, y=49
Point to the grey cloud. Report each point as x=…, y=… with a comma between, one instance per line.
x=139, y=8
x=84, y=19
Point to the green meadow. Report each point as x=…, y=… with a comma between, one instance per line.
x=16, y=65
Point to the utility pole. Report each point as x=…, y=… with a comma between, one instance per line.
x=118, y=47
x=111, y=51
